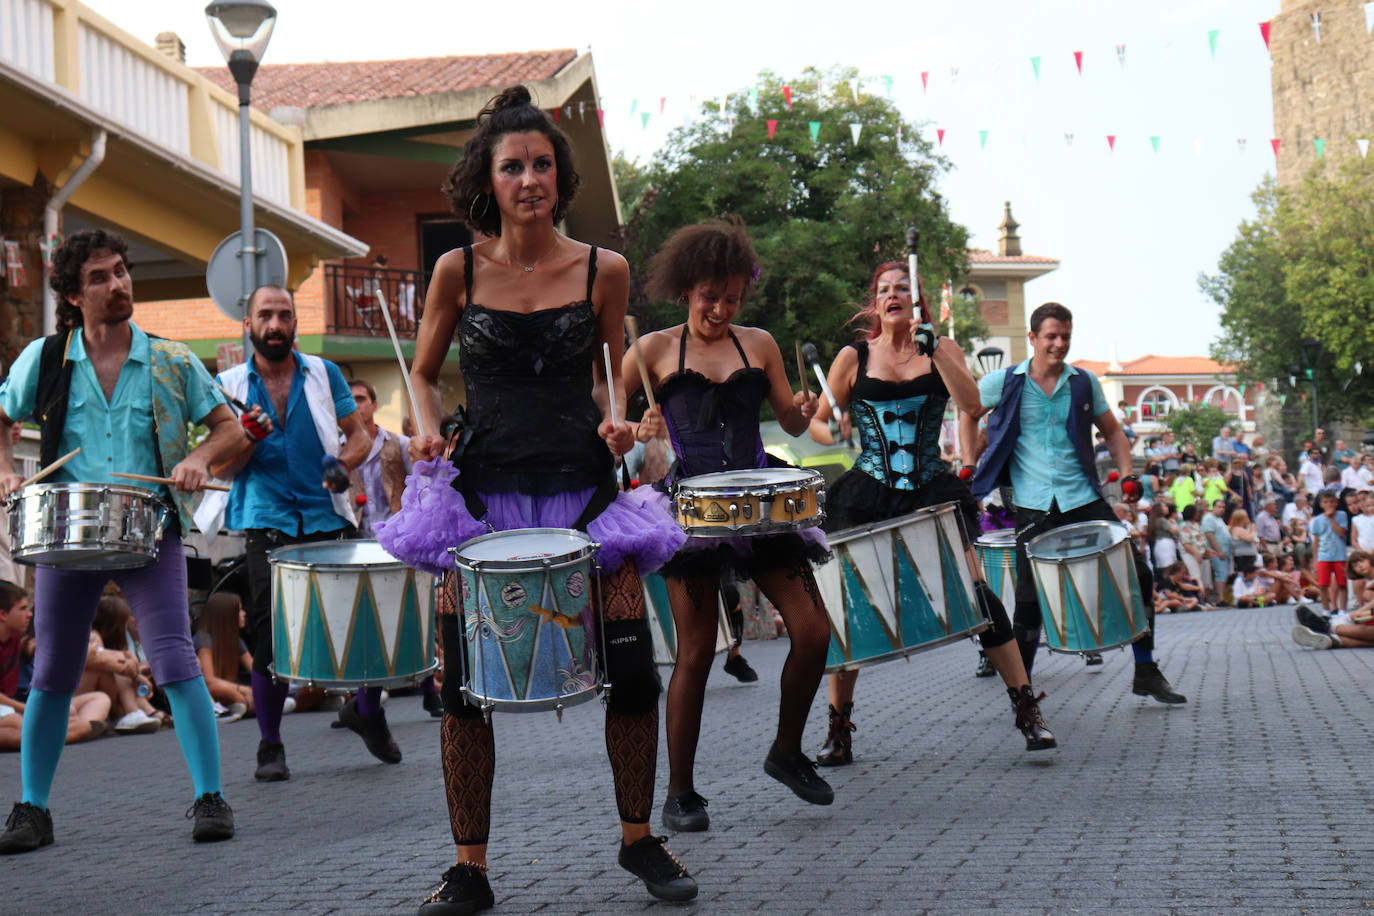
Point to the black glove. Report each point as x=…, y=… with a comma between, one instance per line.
x=926, y=339
x=335, y=476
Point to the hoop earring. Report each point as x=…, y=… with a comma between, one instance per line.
x=485, y=208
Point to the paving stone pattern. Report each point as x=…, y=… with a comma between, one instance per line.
x=1249, y=799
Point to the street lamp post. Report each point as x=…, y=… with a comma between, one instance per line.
x=242, y=29
x=990, y=359
x=1311, y=355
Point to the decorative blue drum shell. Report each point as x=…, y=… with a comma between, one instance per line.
x=1085, y=577
x=996, y=551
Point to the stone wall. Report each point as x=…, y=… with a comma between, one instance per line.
x=1321, y=90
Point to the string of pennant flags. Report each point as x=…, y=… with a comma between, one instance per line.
x=644, y=113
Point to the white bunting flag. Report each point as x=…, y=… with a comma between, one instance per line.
x=1363, y=144
x=854, y=130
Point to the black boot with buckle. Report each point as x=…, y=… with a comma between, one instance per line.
x=1028, y=718
x=838, y=749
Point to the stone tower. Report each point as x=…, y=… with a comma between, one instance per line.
x=1322, y=90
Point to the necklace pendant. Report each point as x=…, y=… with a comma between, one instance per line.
x=528, y=270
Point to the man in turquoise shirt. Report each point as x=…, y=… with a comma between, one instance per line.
x=125, y=400
x=290, y=481
x=1040, y=441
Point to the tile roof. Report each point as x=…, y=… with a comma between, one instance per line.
x=1150, y=364
x=983, y=256
x=319, y=85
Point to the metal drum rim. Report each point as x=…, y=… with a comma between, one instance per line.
x=997, y=538
x=858, y=531
x=1119, y=528
x=525, y=563
x=806, y=478
x=274, y=557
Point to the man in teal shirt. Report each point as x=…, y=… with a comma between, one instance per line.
x=1040, y=440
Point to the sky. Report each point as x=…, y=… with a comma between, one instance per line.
x=1132, y=226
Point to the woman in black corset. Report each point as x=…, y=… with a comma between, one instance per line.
x=894, y=384
x=532, y=309
x=711, y=379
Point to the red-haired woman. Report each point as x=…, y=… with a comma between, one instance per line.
x=893, y=384
x=711, y=379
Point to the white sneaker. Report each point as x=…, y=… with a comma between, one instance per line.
x=233, y=712
x=288, y=706
x=1311, y=638
x=137, y=722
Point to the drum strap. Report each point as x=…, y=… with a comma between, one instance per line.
x=601, y=497
x=54, y=382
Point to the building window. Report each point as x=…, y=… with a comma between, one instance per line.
x=1155, y=405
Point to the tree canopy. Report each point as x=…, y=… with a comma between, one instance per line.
x=822, y=213
x=1304, y=268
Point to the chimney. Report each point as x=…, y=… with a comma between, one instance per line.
x=1009, y=243
x=168, y=43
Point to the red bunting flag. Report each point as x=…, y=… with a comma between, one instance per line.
x=601, y=117
x=662, y=103
x=1078, y=61
x=1111, y=141
x=555, y=116
x=940, y=133
x=925, y=79
x=787, y=96
x=1275, y=144
x=772, y=127
x=1264, y=33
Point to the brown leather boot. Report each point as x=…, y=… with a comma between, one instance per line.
x=838, y=749
x=1029, y=720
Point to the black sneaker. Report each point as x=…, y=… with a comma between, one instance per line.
x=1092, y=659
x=374, y=731
x=685, y=811
x=214, y=818
x=434, y=705
x=741, y=669
x=1150, y=681
x=271, y=763
x=1029, y=720
x=798, y=772
x=27, y=828
x=651, y=862
x=1312, y=620
x=465, y=890
x=984, y=668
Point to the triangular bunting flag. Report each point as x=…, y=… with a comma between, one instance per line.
x=1275, y=144
x=567, y=110
x=954, y=74
x=1212, y=36
x=1240, y=144
x=815, y=130
x=555, y=116
x=1121, y=54
x=662, y=103
x=1264, y=33
x=754, y=100
x=1154, y=142
x=887, y=84
x=1283, y=399
x=1316, y=25
x=1320, y=145
x=601, y=117
x=925, y=80
x=982, y=139
x=854, y=85
x=787, y=96
x=772, y=127
x=1068, y=139
x=634, y=106
x=1368, y=17
x=644, y=119
x=1111, y=141
x=1035, y=65
x=1363, y=144
x=940, y=135
x=1078, y=61
x=854, y=130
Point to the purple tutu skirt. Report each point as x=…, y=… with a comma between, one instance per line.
x=745, y=554
x=434, y=517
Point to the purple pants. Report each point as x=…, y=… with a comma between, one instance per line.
x=64, y=606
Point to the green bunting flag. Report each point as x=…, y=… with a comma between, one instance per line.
x=1154, y=142
x=1035, y=65
x=982, y=139
x=1283, y=399
x=634, y=106
x=1320, y=144
x=815, y=130
x=754, y=100
x=644, y=119
x=887, y=83
x=1212, y=36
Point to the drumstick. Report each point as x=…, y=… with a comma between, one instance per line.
x=610, y=380
x=801, y=368
x=243, y=408
x=405, y=373
x=50, y=468
x=167, y=480
x=632, y=327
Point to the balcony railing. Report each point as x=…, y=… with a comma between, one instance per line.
x=354, y=306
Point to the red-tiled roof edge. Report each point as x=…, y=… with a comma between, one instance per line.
x=983, y=256
x=1197, y=365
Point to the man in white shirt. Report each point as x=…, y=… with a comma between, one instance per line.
x=1352, y=479
x=1310, y=472
x=1363, y=538
x=1297, y=508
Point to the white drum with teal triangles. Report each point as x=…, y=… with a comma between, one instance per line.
x=1085, y=578
x=898, y=587
x=996, y=552
x=663, y=626
x=348, y=614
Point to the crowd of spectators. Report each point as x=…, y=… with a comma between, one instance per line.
x=1237, y=527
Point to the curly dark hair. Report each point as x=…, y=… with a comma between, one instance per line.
x=511, y=112
x=715, y=249
x=67, y=262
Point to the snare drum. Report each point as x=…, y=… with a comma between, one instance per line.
x=348, y=614
x=996, y=551
x=898, y=587
x=1086, y=581
x=531, y=633
x=86, y=525
x=663, y=626
x=762, y=501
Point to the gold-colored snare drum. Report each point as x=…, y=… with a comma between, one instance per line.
x=763, y=501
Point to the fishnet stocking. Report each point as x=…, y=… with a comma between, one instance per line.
x=632, y=745
x=468, y=750
x=694, y=611
x=622, y=594
x=448, y=594
x=795, y=594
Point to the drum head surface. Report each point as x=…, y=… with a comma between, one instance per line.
x=525, y=544
x=335, y=553
x=761, y=477
x=1083, y=539
x=1005, y=537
